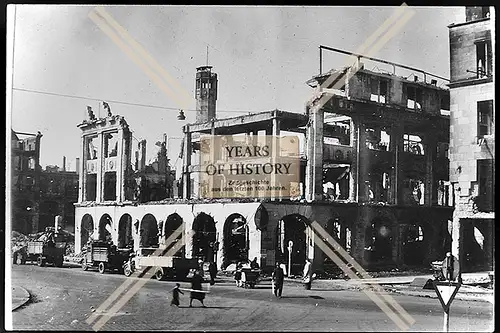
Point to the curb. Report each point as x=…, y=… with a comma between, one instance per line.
x=479, y=297
x=20, y=296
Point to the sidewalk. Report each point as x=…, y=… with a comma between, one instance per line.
x=401, y=285
x=19, y=297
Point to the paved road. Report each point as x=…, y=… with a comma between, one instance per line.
x=63, y=298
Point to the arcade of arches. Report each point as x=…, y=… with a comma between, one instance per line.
x=376, y=239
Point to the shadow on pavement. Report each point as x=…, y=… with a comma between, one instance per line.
x=210, y=307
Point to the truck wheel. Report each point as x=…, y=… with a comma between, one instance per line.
x=127, y=270
x=40, y=261
x=102, y=267
x=159, y=275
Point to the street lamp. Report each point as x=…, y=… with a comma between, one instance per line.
x=181, y=115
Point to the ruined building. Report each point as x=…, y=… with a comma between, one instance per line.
x=472, y=138
x=374, y=174
x=38, y=196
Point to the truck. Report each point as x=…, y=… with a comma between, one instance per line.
x=104, y=255
x=163, y=266
x=48, y=248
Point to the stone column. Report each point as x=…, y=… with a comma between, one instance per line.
x=354, y=171
x=186, y=175
x=430, y=198
x=275, y=147
x=314, y=168
x=120, y=165
x=100, y=167
x=397, y=177
x=82, y=177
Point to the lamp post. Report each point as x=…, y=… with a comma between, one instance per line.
x=290, y=248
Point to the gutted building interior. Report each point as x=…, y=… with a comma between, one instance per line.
x=373, y=174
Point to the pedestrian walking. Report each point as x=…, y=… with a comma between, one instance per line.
x=237, y=274
x=308, y=273
x=213, y=272
x=277, y=279
x=196, y=282
x=175, y=295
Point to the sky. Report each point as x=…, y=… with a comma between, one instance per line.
x=262, y=55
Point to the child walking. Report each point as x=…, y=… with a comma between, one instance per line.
x=175, y=295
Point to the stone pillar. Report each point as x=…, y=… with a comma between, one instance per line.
x=430, y=197
x=186, y=174
x=314, y=168
x=120, y=165
x=82, y=176
x=100, y=167
x=354, y=170
x=363, y=162
x=397, y=246
x=275, y=147
x=397, y=177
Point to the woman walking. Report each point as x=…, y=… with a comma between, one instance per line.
x=196, y=285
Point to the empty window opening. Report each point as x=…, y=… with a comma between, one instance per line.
x=413, y=144
x=414, y=191
x=412, y=241
x=91, y=187
x=110, y=144
x=377, y=187
x=378, y=91
x=348, y=239
x=484, y=118
x=377, y=139
x=444, y=193
x=91, y=148
x=336, y=183
x=109, y=186
x=414, y=97
x=481, y=58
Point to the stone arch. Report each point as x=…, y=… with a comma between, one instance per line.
x=172, y=223
x=105, y=228
x=236, y=240
x=86, y=229
x=204, y=237
x=293, y=228
x=379, y=239
x=148, y=232
x=413, y=244
x=125, y=235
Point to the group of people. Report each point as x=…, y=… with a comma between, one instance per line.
x=278, y=277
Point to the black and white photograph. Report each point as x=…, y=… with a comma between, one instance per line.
x=249, y=168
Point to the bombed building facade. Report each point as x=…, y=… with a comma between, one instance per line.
x=472, y=138
x=38, y=195
x=373, y=174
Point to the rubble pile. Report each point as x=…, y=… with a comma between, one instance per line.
x=18, y=241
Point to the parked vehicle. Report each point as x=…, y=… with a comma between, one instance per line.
x=104, y=255
x=163, y=266
x=48, y=248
